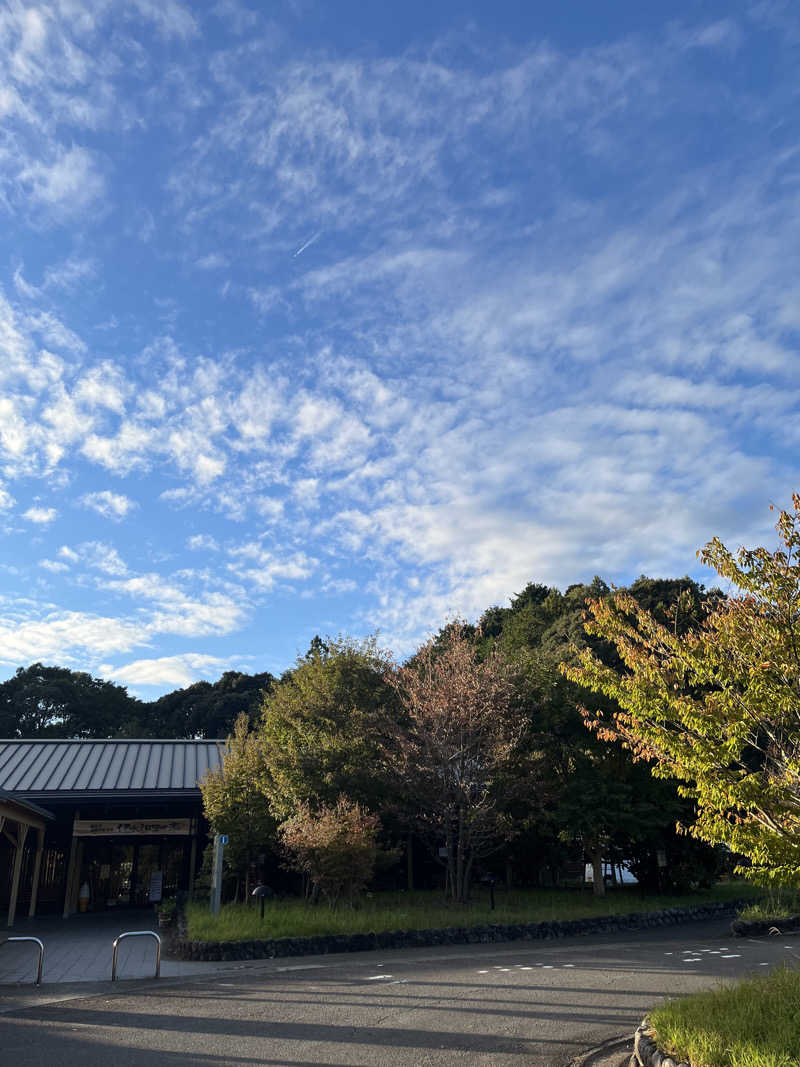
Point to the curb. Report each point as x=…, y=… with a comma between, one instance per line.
x=186, y=949
x=760, y=927
x=647, y=1054
x=613, y=1053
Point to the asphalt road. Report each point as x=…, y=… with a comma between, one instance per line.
x=531, y=1003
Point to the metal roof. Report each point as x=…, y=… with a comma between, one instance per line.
x=67, y=769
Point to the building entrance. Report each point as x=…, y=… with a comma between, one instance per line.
x=130, y=874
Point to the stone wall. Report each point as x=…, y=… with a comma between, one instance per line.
x=647, y=1054
x=184, y=948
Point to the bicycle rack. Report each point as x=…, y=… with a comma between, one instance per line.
x=8, y=940
x=136, y=933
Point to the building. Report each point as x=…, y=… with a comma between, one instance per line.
x=95, y=825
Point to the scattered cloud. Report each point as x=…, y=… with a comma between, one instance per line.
x=551, y=329
x=110, y=505
x=40, y=516
x=204, y=542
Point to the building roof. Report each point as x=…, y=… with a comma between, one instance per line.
x=69, y=769
x=26, y=805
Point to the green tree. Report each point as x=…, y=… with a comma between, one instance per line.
x=235, y=805
x=717, y=706
x=206, y=709
x=324, y=728
x=39, y=701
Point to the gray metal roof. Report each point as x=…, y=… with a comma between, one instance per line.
x=66, y=769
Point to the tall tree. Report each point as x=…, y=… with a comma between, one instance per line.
x=457, y=758
x=235, y=805
x=40, y=701
x=717, y=706
x=206, y=709
x=324, y=726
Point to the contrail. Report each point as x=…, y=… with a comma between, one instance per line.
x=308, y=243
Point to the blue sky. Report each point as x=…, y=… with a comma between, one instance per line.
x=336, y=317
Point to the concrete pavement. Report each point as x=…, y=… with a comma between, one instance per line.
x=538, y=1004
x=78, y=949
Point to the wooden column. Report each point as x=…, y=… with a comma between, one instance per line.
x=37, y=868
x=22, y=833
x=73, y=856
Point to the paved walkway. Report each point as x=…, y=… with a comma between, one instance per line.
x=525, y=1004
x=78, y=949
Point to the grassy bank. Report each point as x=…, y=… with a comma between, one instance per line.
x=755, y=1023
x=426, y=910
x=773, y=905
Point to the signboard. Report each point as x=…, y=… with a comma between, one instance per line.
x=223, y=839
x=156, y=886
x=132, y=827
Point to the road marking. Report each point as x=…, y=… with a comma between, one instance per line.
x=375, y=977
x=732, y=956
x=569, y=964
x=483, y=972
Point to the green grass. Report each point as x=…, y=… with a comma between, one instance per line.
x=755, y=1023
x=427, y=910
x=774, y=905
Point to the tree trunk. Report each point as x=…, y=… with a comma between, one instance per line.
x=598, y=882
x=410, y=861
x=460, y=861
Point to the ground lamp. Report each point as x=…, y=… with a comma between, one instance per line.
x=261, y=892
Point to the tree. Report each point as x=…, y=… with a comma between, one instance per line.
x=234, y=804
x=717, y=706
x=324, y=725
x=457, y=756
x=39, y=701
x=206, y=709
x=334, y=847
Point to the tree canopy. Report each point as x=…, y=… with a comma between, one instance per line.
x=716, y=705
x=323, y=727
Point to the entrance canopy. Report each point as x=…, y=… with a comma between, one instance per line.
x=17, y=818
x=126, y=813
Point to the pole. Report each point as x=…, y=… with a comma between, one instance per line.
x=220, y=841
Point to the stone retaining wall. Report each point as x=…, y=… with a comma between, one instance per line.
x=647, y=1054
x=762, y=927
x=184, y=948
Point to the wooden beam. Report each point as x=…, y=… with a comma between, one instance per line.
x=37, y=867
x=12, y=903
x=17, y=813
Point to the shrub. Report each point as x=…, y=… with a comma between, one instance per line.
x=334, y=847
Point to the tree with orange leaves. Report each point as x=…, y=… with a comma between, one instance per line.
x=456, y=757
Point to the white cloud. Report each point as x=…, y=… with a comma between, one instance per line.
x=40, y=516
x=202, y=541
x=53, y=565
x=56, y=635
x=168, y=671
x=110, y=505
x=68, y=184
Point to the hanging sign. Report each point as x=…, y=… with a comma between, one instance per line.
x=131, y=827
